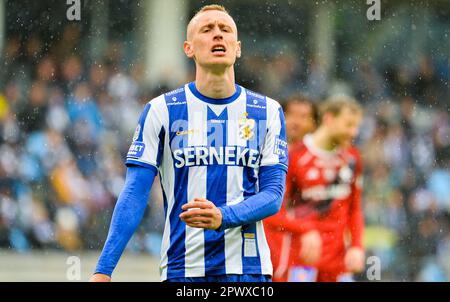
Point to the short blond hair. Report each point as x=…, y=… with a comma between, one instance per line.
x=335, y=104
x=209, y=7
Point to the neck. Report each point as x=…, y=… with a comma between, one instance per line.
x=295, y=140
x=323, y=140
x=216, y=85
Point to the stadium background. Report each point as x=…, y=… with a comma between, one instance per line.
x=71, y=93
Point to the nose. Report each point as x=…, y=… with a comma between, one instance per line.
x=217, y=33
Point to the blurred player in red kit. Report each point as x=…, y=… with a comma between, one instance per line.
x=321, y=213
x=300, y=119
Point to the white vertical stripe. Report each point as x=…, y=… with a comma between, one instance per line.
x=233, y=237
x=236, y=112
x=167, y=181
x=195, y=238
x=235, y=184
x=274, y=128
x=264, y=251
x=157, y=116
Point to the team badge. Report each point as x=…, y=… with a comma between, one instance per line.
x=246, y=128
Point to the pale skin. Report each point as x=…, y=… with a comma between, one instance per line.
x=212, y=42
x=334, y=132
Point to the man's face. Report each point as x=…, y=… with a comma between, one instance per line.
x=212, y=40
x=344, y=127
x=299, y=121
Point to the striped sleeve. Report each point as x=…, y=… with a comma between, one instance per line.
x=274, y=150
x=148, y=141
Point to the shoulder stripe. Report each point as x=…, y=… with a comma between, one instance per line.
x=142, y=121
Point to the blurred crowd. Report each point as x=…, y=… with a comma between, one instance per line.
x=405, y=144
x=65, y=128
x=66, y=124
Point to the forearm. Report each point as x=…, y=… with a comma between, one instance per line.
x=282, y=222
x=265, y=203
x=127, y=215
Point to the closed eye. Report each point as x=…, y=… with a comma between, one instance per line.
x=206, y=28
x=226, y=29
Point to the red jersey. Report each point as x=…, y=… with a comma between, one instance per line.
x=323, y=192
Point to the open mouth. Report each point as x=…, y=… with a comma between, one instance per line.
x=218, y=49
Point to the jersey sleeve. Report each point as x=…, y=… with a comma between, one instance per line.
x=148, y=141
x=274, y=150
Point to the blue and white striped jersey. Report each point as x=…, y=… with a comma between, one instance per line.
x=210, y=148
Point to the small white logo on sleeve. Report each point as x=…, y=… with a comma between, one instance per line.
x=280, y=147
x=136, y=150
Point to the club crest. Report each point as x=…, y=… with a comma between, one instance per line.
x=246, y=128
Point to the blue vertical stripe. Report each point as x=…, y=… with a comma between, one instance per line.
x=164, y=198
x=178, y=117
x=250, y=265
x=216, y=184
x=256, y=109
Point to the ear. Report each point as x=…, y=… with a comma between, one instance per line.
x=238, y=49
x=188, y=50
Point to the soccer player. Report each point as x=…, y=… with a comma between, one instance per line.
x=300, y=116
x=221, y=153
x=323, y=200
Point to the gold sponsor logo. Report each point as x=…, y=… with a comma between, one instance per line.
x=192, y=131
